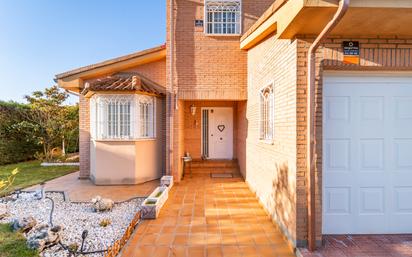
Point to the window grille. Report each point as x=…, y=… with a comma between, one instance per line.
x=223, y=17
x=267, y=111
x=122, y=117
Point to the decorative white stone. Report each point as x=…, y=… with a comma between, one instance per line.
x=24, y=224
x=102, y=204
x=42, y=237
x=3, y=211
x=74, y=217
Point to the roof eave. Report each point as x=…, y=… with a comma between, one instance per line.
x=72, y=80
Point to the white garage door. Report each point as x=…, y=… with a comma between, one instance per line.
x=367, y=154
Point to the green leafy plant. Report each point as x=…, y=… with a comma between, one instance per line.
x=73, y=247
x=105, y=222
x=151, y=202
x=159, y=194
x=6, y=183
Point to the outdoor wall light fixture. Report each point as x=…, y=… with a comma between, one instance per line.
x=193, y=109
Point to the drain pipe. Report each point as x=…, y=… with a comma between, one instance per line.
x=171, y=104
x=311, y=126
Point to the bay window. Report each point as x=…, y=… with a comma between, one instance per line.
x=122, y=117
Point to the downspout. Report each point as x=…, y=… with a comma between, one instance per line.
x=311, y=126
x=171, y=92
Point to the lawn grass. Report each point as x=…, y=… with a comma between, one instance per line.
x=13, y=244
x=31, y=173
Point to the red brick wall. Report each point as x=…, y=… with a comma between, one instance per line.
x=84, y=137
x=155, y=71
x=210, y=67
x=270, y=169
x=204, y=67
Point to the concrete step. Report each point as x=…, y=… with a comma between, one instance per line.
x=213, y=166
x=214, y=163
x=213, y=170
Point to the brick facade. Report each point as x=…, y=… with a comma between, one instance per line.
x=213, y=71
x=203, y=67
x=376, y=54
x=278, y=171
x=84, y=137
x=270, y=169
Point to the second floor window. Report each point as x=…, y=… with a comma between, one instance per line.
x=223, y=17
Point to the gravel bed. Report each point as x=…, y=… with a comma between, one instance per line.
x=74, y=218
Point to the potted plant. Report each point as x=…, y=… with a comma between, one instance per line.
x=151, y=206
x=167, y=181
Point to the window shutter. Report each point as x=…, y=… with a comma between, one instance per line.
x=261, y=116
x=92, y=109
x=271, y=113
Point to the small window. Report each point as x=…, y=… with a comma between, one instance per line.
x=146, y=118
x=122, y=117
x=267, y=111
x=223, y=17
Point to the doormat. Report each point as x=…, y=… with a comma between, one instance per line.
x=221, y=175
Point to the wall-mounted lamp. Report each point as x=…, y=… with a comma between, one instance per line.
x=193, y=109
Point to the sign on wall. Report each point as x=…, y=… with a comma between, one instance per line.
x=351, y=52
x=198, y=23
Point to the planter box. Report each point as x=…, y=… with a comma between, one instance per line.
x=167, y=181
x=152, y=205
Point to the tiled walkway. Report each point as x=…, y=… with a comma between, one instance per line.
x=85, y=190
x=364, y=246
x=209, y=217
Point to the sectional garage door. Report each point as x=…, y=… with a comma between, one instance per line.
x=367, y=154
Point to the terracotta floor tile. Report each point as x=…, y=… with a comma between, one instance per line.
x=228, y=239
x=148, y=239
x=197, y=239
x=181, y=240
x=231, y=251
x=182, y=229
x=213, y=239
x=210, y=217
x=266, y=251
x=198, y=229
x=178, y=251
x=153, y=229
x=214, y=251
x=245, y=239
x=165, y=239
x=141, y=251
x=161, y=251
x=168, y=229
x=84, y=190
x=261, y=239
x=197, y=251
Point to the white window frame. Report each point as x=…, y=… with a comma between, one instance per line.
x=129, y=121
x=206, y=20
x=264, y=136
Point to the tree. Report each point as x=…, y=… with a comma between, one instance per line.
x=14, y=145
x=46, y=118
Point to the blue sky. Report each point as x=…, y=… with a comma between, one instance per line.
x=41, y=38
